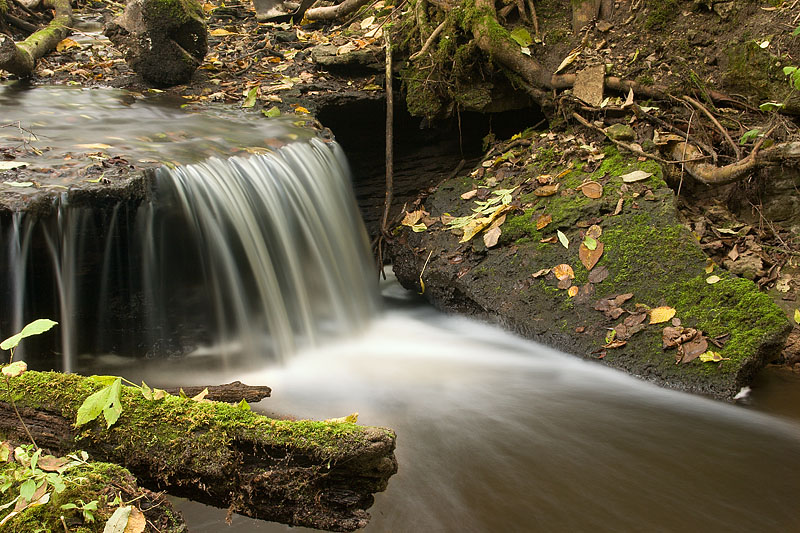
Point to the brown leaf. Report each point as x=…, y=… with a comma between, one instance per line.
x=48, y=463
x=622, y=298
x=543, y=221
x=615, y=312
x=544, y=179
x=720, y=340
x=412, y=218
x=564, y=283
x=676, y=322
x=733, y=255
x=618, y=209
x=622, y=331
x=592, y=189
x=635, y=320
x=546, y=190
x=589, y=222
x=588, y=257
x=594, y=231
x=616, y=343
x=670, y=336
x=573, y=291
x=136, y=521
x=693, y=348
x=598, y=275
x=585, y=294
x=540, y=273
x=550, y=240
x=563, y=271
x=491, y=237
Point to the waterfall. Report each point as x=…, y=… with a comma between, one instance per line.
x=247, y=257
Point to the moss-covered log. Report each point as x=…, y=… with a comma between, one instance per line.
x=20, y=58
x=315, y=474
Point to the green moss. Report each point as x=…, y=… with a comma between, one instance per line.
x=178, y=10
x=661, y=13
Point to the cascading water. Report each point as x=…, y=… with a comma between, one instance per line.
x=247, y=255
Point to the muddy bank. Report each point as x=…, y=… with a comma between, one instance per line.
x=620, y=253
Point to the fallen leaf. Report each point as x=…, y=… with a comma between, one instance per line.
x=546, y=190
x=733, y=255
x=670, y=336
x=469, y=194
x=49, y=463
x=250, y=99
x=592, y=189
x=712, y=357
x=66, y=44
x=302, y=110
x=661, y=314
x=618, y=209
x=491, y=237
x=713, y=279
x=201, y=395
x=544, y=179
x=543, y=221
x=588, y=257
x=594, y=231
x=635, y=319
x=93, y=146
x=540, y=273
x=598, y=275
x=562, y=239
x=549, y=240
x=136, y=522
x=564, y=284
x=615, y=344
x=119, y=520
x=573, y=291
x=693, y=348
x=797, y=316
x=636, y=175
x=220, y=32
x=563, y=271
x=590, y=242
x=622, y=298
x=412, y=218
x=11, y=165
x=710, y=266
x=272, y=112
x=568, y=60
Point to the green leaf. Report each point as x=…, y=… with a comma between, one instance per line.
x=147, y=392
x=796, y=32
x=749, y=136
x=103, y=380
x=34, y=328
x=105, y=401
x=788, y=71
x=770, y=106
x=250, y=99
x=590, y=242
x=521, y=36
x=797, y=316
x=118, y=520
x=243, y=405
x=562, y=239
x=113, y=409
x=27, y=489
x=68, y=506
x=272, y=112
x=91, y=506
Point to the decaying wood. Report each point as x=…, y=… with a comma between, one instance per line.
x=314, y=474
x=20, y=58
x=335, y=12
x=229, y=393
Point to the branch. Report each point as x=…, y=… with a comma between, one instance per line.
x=335, y=12
x=716, y=123
x=20, y=59
x=429, y=41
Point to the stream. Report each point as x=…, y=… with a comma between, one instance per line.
x=497, y=433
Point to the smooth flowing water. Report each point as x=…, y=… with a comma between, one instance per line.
x=495, y=433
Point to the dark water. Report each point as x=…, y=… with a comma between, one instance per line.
x=496, y=433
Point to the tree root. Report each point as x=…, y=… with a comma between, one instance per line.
x=20, y=58
x=335, y=12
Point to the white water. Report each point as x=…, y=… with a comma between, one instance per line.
x=496, y=433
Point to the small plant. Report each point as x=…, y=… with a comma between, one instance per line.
x=85, y=508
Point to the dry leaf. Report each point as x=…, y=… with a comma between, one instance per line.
x=546, y=190
x=66, y=44
x=568, y=60
x=661, y=314
x=543, y=221
x=598, y=275
x=636, y=175
x=564, y=284
x=136, y=521
x=588, y=257
x=592, y=189
x=594, y=231
x=549, y=240
x=573, y=291
x=220, y=32
x=712, y=279
x=491, y=237
x=618, y=209
x=412, y=218
x=615, y=344
x=693, y=348
x=49, y=463
x=563, y=271
x=469, y=194
x=93, y=146
x=540, y=273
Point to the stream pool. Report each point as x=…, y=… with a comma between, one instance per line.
x=497, y=433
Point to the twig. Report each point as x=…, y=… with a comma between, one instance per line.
x=627, y=146
x=534, y=17
x=713, y=119
x=640, y=113
x=387, y=202
x=769, y=223
x=19, y=416
x=429, y=41
x=683, y=156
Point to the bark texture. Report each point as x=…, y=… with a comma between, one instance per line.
x=313, y=474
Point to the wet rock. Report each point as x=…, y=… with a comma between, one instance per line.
x=334, y=57
x=589, y=85
x=164, y=40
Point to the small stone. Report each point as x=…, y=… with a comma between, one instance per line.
x=604, y=26
x=589, y=85
x=620, y=132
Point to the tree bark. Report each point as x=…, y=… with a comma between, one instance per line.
x=335, y=12
x=229, y=393
x=313, y=474
x=20, y=58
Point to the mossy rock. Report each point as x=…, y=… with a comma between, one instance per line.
x=646, y=250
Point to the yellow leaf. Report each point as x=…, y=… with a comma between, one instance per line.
x=712, y=279
x=93, y=146
x=412, y=218
x=712, y=357
x=220, y=32
x=349, y=419
x=563, y=272
x=372, y=87
x=301, y=109
x=797, y=316
x=66, y=44
x=573, y=291
x=136, y=521
x=661, y=314
x=568, y=60
x=418, y=228
x=543, y=221
x=709, y=267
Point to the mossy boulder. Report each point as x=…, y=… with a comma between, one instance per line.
x=646, y=252
x=164, y=40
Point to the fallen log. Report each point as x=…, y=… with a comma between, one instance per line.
x=20, y=58
x=229, y=393
x=314, y=474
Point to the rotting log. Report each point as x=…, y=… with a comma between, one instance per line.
x=315, y=474
x=20, y=58
x=229, y=393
